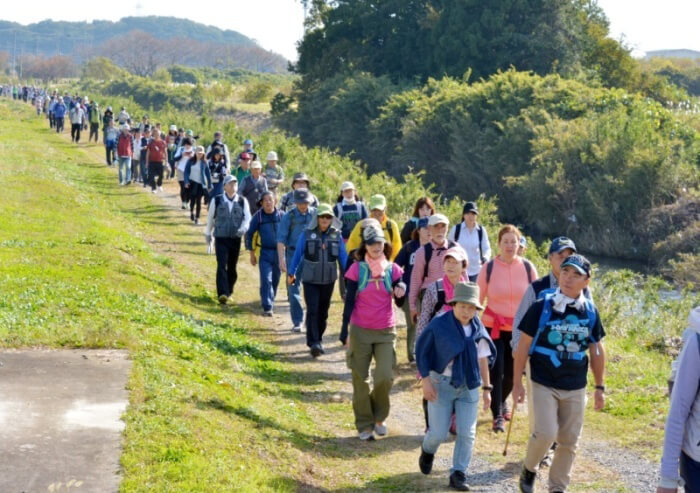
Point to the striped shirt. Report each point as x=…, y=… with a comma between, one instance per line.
x=435, y=271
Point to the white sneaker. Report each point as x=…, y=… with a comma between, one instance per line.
x=380, y=429
x=296, y=328
x=366, y=435
x=160, y=189
x=154, y=191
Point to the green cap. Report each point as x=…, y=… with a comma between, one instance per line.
x=466, y=292
x=189, y=132
x=324, y=210
x=377, y=202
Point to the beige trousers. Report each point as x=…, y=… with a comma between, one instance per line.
x=558, y=417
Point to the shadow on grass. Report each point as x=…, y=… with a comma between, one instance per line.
x=337, y=447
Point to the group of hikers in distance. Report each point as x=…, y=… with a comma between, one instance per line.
x=479, y=327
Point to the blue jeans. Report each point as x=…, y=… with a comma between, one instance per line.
x=143, y=169
x=125, y=165
x=269, y=277
x=296, y=310
x=465, y=403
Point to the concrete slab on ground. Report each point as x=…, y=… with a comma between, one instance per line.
x=60, y=426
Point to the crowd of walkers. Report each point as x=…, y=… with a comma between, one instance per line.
x=477, y=323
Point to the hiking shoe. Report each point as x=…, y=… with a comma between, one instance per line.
x=316, y=351
x=154, y=191
x=160, y=189
x=380, y=429
x=196, y=221
x=223, y=299
x=506, y=412
x=527, y=481
x=191, y=216
x=458, y=481
x=182, y=206
x=499, y=424
x=425, y=461
x=320, y=348
x=366, y=435
x=547, y=460
x=296, y=328
x=267, y=313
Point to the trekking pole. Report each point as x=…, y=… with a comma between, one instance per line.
x=510, y=426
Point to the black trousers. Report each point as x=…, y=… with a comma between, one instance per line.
x=318, y=301
x=59, y=124
x=227, y=252
x=155, y=174
x=501, y=374
x=94, y=130
x=195, y=192
x=52, y=121
x=75, y=132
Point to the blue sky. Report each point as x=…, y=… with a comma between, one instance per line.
x=277, y=24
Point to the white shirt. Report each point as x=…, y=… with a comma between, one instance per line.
x=483, y=350
x=469, y=241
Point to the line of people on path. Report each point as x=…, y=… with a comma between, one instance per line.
x=477, y=324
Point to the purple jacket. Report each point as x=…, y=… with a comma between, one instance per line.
x=683, y=423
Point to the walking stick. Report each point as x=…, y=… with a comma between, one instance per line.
x=510, y=426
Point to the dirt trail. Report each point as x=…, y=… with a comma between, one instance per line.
x=599, y=467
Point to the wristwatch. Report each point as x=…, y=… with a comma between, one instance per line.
x=600, y=387
x=487, y=387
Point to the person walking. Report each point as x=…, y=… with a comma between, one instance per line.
x=59, y=113
x=156, y=154
x=243, y=169
x=560, y=248
x=299, y=180
x=218, y=170
x=182, y=157
x=377, y=210
x=406, y=259
x=293, y=223
x=107, y=117
x=349, y=209
x=428, y=265
x=76, y=120
x=125, y=148
x=197, y=179
x=680, y=463
x=321, y=247
x=503, y=283
x=265, y=223
x=453, y=354
x=228, y=220
x=253, y=186
x=94, y=117
x=111, y=138
x=560, y=333
x=473, y=238
x=274, y=174
x=424, y=208
x=368, y=331
x=218, y=143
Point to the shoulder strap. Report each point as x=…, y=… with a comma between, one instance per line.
x=544, y=318
x=489, y=270
x=428, y=248
x=528, y=269
x=339, y=207
x=480, y=232
x=458, y=229
x=390, y=230
x=388, y=281
x=240, y=201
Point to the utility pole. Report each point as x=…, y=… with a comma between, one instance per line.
x=14, y=56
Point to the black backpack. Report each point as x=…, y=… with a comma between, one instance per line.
x=440, y=298
x=479, y=231
x=429, y=253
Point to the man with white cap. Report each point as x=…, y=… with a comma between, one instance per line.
x=274, y=174
x=253, y=186
x=428, y=266
x=229, y=217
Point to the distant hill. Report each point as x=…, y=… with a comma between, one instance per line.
x=81, y=40
x=673, y=54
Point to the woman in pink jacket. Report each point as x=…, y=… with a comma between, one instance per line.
x=502, y=283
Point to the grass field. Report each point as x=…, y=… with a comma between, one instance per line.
x=213, y=406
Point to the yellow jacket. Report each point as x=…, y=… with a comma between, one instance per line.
x=391, y=233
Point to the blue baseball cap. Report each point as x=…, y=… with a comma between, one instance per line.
x=423, y=222
x=560, y=243
x=579, y=262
